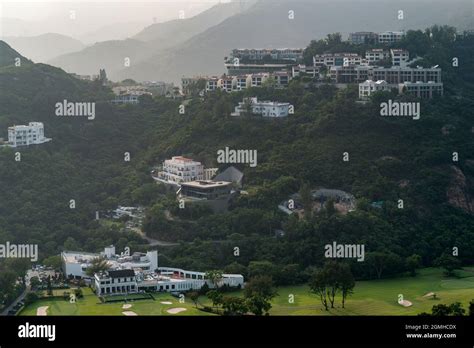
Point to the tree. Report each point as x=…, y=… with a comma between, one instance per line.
x=347, y=282
x=34, y=282
x=412, y=263
x=194, y=296
x=234, y=305
x=449, y=263
x=318, y=285
x=97, y=265
x=31, y=297
x=471, y=308
x=215, y=277
x=443, y=310
x=306, y=200
x=258, y=293
x=216, y=297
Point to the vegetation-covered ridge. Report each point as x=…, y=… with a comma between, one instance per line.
x=390, y=159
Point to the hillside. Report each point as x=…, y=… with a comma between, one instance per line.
x=154, y=38
x=8, y=55
x=43, y=47
x=390, y=159
x=267, y=25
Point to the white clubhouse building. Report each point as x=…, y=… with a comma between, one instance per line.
x=138, y=272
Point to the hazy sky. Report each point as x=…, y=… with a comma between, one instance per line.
x=76, y=18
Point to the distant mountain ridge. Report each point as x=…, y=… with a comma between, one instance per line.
x=43, y=47
x=197, y=46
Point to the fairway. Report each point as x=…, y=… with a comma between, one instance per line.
x=91, y=305
x=375, y=297
x=379, y=297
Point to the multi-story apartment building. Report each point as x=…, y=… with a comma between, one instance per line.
x=363, y=37
x=180, y=169
x=424, y=90
x=264, y=108
x=25, y=135
x=226, y=83
x=396, y=75
x=255, y=54
x=282, y=78
x=349, y=74
x=338, y=59
x=212, y=84
x=243, y=82
x=368, y=87
x=389, y=37
x=376, y=55
x=257, y=80
x=400, y=57
x=302, y=69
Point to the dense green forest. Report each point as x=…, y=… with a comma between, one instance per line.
x=390, y=159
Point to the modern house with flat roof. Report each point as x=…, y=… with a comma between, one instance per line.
x=388, y=37
x=205, y=190
x=368, y=87
x=423, y=90
x=26, y=135
x=76, y=263
x=264, y=108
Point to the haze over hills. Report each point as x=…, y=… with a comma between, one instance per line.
x=153, y=39
x=260, y=24
x=44, y=47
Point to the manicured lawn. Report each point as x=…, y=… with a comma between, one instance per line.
x=379, y=297
x=91, y=305
x=376, y=297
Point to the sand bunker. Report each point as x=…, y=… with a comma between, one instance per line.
x=129, y=314
x=166, y=302
x=127, y=306
x=176, y=310
x=405, y=303
x=430, y=294
x=42, y=310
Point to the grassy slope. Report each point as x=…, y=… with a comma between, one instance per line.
x=376, y=297
x=91, y=305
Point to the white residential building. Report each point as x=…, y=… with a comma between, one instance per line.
x=75, y=264
x=400, y=57
x=300, y=69
x=243, y=82
x=376, y=54
x=256, y=80
x=282, y=78
x=338, y=59
x=368, y=87
x=264, y=108
x=389, y=37
x=212, y=84
x=424, y=90
x=32, y=134
x=293, y=54
x=226, y=83
x=180, y=169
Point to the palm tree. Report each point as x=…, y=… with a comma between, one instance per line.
x=215, y=277
x=97, y=265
